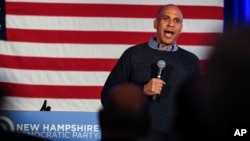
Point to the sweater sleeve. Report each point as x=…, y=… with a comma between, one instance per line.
x=119, y=74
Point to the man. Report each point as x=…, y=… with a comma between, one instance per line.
x=138, y=65
x=126, y=115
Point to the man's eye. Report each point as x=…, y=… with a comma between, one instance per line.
x=177, y=20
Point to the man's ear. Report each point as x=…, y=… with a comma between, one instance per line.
x=155, y=23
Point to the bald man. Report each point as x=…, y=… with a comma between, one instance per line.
x=139, y=65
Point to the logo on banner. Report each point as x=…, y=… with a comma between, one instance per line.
x=6, y=124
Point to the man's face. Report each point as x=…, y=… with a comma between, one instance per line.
x=168, y=25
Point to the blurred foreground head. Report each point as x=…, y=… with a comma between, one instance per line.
x=216, y=104
x=126, y=114
x=228, y=78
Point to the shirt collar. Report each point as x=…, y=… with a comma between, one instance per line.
x=153, y=44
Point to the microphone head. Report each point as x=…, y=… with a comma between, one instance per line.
x=161, y=64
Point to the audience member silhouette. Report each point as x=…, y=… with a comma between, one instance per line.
x=214, y=106
x=126, y=115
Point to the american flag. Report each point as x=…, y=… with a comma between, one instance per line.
x=63, y=50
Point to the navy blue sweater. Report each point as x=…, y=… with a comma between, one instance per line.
x=138, y=64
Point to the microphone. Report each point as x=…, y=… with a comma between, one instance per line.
x=161, y=65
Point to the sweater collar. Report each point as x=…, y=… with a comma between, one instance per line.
x=153, y=44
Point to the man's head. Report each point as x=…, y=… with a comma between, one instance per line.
x=126, y=113
x=168, y=24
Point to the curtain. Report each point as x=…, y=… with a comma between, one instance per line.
x=236, y=14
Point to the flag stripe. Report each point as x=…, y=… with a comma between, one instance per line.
x=134, y=2
x=105, y=24
x=69, y=78
x=81, y=51
x=52, y=91
x=88, y=37
x=58, y=50
x=35, y=104
x=57, y=64
x=108, y=10
x=60, y=64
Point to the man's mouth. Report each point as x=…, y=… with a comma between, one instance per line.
x=168, y=33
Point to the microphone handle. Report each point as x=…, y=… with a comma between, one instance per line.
x=154, y=97
x=158, y=76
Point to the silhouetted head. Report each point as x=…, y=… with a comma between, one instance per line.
x=126, y=114
x=214, y=106
x=229, y=75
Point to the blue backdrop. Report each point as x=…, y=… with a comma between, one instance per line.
x=236, y=14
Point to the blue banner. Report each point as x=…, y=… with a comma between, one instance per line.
x=56, y=126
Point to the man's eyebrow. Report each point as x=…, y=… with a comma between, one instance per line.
x=170, y=16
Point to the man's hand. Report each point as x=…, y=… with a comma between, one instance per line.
x=154, y=86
